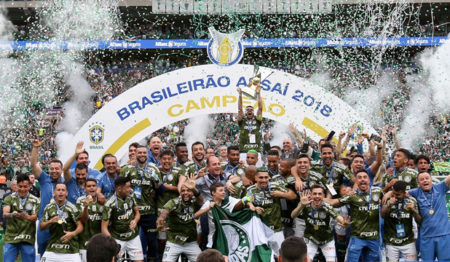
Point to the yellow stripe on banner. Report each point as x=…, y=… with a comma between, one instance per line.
x=124, y=138
x=318, y=129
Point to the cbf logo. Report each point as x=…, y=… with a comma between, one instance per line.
x=225, y=49
x=238, y=242
x=96, y=132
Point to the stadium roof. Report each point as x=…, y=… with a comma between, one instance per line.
x=39, y=3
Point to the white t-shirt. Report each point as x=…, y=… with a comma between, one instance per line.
x=212, y=228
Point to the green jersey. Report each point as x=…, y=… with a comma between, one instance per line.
x=69, y=216
x=365, y=212
x=336, y=175
x=169, y=178
x=271, y=205
x=286, y=205
x=239, y=190
x=143, y=183
x=408, y=175
x=192, y=167
x=314, y=178
x=119, y=212
x=250, y=134
x=183, y=228
x=317, y=221
x=398, y=215
x=93, y=225
x=229, y=170
x=21, y=230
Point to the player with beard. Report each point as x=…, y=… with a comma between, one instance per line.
x=63, y=220
x=81, y=156
x=47, y=184
x=364, y=207
x=334, y=172
x=145, y=182
x=169, y=177
x=318, y=215
x=154, y=150
x=400, y=171
x=287, y=180
x=112, y=171
x=182, y=229
x=20, y=209
x=305, y=178
x=121, y=216
x=267, y=197
x=91, y=215
x=181, y=152
x=195, y=168
x=357, y=162
x=250, y=126
x=232, y=167
x=435, y=227
x=398, y=214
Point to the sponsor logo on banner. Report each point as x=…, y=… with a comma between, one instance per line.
x=96, y=132
x=225, y=49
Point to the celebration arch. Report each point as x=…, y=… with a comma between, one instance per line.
x=211, y=89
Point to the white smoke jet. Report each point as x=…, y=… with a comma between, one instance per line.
x=198, y=129
x=368, y=102
x=280, y=132
x=415, y=124
x=430, y=93
x=436, y=64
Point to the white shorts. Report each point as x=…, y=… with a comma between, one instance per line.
x=299, y=227
x=328, y=250
x=408, y=251
x=133, y=247
x=83, y=255
x=60, y=257
x=173, y=251
x=162, y=235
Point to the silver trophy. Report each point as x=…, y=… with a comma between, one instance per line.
x=250, y=90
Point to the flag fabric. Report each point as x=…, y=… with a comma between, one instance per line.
x=242, y=235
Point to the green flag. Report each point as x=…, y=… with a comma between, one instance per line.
x=242, y=235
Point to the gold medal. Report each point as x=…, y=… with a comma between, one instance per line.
x=52, y=201
x=331, y=184
x=60, y=221
x=316, y=227
x=431, y=211
x=89, y=197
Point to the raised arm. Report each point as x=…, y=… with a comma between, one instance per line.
x=378, y=159
x=305, y=200
x=78, y=150
x=240, y=115
x=35, y=167
x=260, y=103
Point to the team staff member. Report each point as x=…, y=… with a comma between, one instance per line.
x=144, y=177
x=398, y=214
x=20, y=209
x=435, y=228
x=335, y=173
x=318, y=215
x=122, y=215
x=47, y=184
x=182, y=229
x=364, y=206
x=91, y=215
x=63, y=220
x=106, y=181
